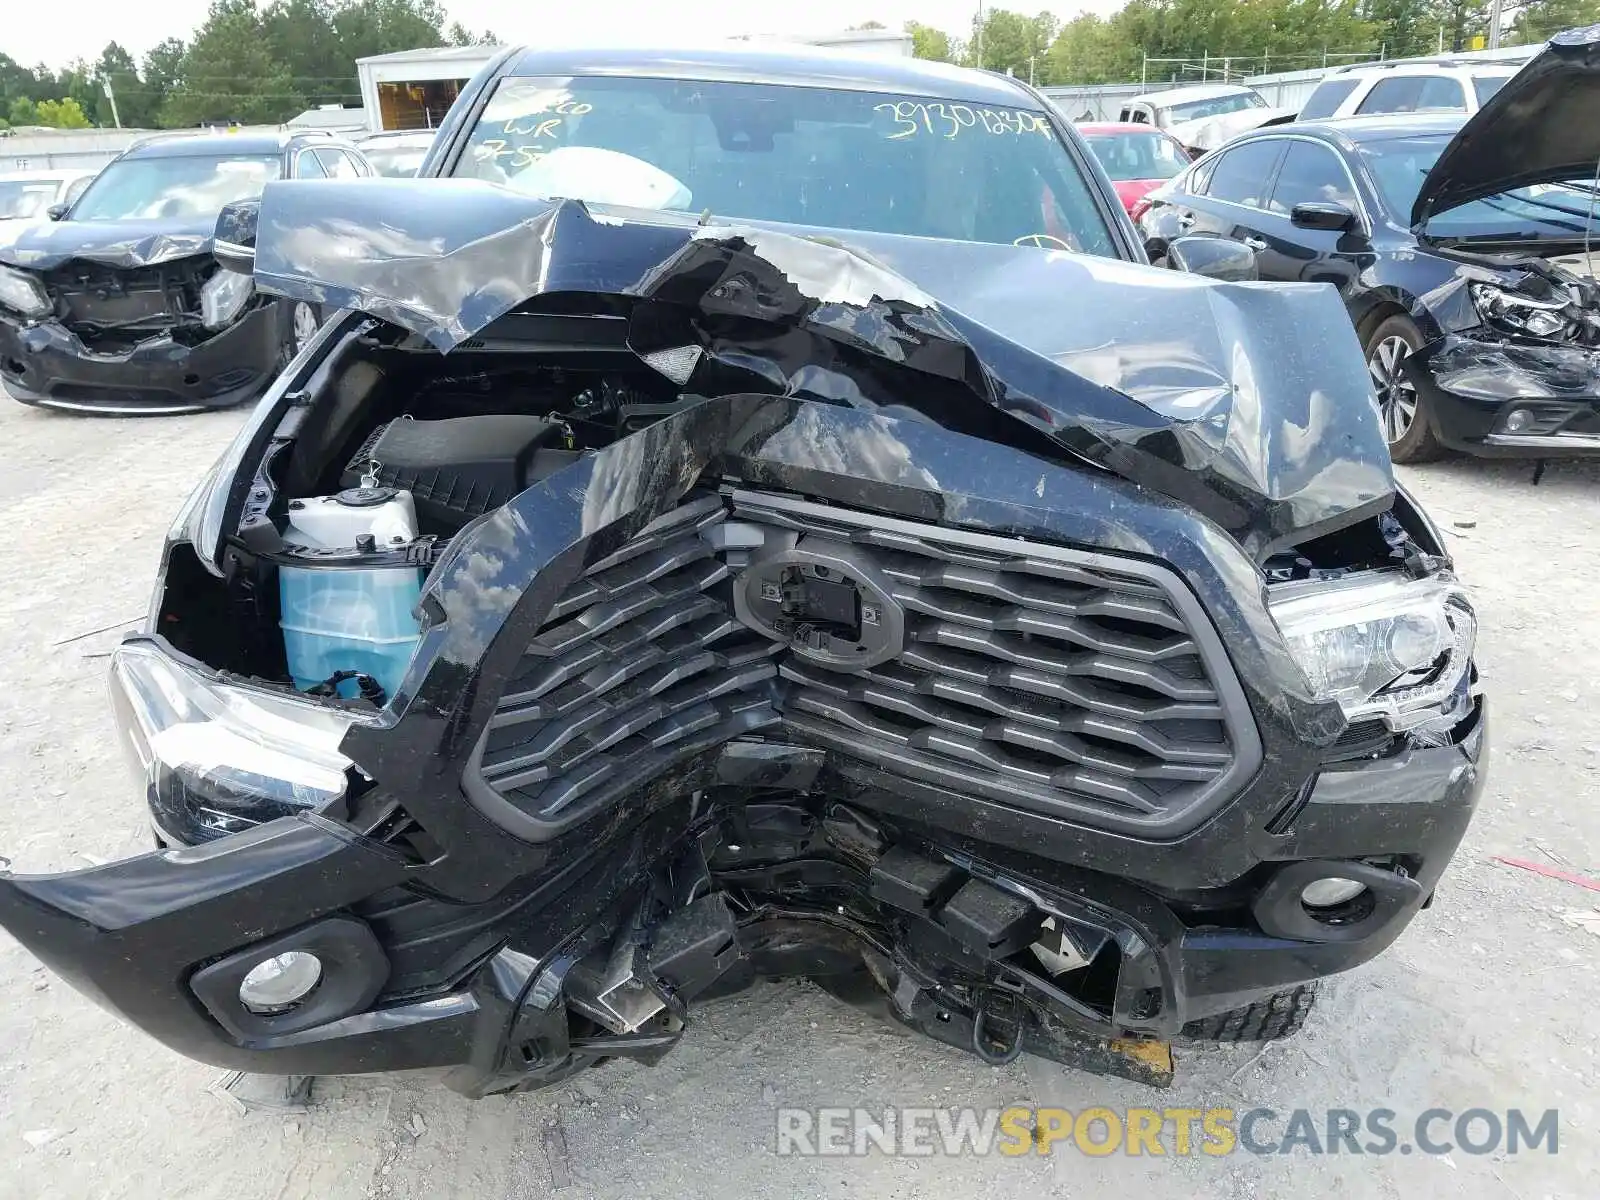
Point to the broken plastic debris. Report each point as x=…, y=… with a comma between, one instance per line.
x=417, y=1126
x=39, y=1138
x=277, y=1093
x=1582, y=918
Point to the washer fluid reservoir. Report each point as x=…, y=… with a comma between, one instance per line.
x=346, y=610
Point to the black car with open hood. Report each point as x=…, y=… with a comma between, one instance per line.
x=116, y=304
x=1462, y=250
x=629, y=596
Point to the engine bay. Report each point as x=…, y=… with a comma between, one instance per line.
x=358, y=495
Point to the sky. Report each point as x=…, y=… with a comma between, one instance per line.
x=140, y=24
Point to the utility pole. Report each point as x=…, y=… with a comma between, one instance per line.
x=1494, y=24
x=978, y=60
x=105, y=82
x=1032, y=57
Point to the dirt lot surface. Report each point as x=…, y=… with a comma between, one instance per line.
x=1485, y=1001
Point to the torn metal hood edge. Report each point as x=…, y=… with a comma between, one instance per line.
x=1248, y=402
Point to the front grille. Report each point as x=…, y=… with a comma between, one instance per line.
x=1067, y=682
x=638, y=665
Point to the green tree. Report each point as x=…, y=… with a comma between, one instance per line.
x=300, y=34
x=1539, y=20
x=1010, y=41
x=23, y=111
x=933, y=44
x=229, y=73
x=61, y=114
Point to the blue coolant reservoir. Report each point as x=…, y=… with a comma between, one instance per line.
x=343, y=616
x=349, y=620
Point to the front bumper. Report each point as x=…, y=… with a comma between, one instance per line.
x=47, y=365
x=1498, y=399
x=143, y=936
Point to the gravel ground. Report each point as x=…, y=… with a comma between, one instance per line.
x=1482, y=1003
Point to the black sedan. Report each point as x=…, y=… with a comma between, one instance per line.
x=1460, y=251
x=116, y=304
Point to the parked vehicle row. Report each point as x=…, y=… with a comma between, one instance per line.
x=718, y=535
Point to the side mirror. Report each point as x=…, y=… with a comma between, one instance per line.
x=1214, y=257
x=56, y=211
x=234, y=240
x=1318, y=214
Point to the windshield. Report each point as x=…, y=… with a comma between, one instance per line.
x=397, y=162
x=801, y=155
x=174, y=188
x=1487, y=85
x=1138, y=155
x=1194, y=110
x=1541, y=211
x=26, y=197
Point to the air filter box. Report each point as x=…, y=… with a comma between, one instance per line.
x=460, y=468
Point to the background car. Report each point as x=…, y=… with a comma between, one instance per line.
x=1136, y=157
x=396, y=154
x=1474, y=302
x=1403, y=88
x=29, y=195
x=116, y=305
x=1206, y=115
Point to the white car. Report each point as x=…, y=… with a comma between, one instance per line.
x=26, y=196
x=394, y=153
x=1405, y=88
x=1206, y=115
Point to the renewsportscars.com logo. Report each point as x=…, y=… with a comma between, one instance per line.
x=1161, y=1132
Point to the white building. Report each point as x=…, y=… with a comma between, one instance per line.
x=413, y=89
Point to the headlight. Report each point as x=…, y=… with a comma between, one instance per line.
x=22, y=293
x=223, y=298
x=1515, y=312
x=1386, y=646
x=224, y=758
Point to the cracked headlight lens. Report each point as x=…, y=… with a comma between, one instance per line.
x=22, y=293
x=223, y=298
x=1383, y=645
x=1515, y=312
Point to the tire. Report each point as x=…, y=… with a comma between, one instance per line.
x=1402, y=409
x=1278, y=1016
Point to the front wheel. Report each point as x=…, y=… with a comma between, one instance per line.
x=1400, y=405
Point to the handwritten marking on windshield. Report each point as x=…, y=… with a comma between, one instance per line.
x=949, y=121
x=494, y=149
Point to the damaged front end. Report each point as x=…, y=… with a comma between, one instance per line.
x=1516, y=368
x=1521, y=376
x=733, y=604
x=140, y=325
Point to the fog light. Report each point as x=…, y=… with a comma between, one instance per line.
x=283, y=981
x=1518, y=420
x=1330, y=892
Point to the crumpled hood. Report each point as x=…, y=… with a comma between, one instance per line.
x=1248, y=402
x=114, y=243
x=1538, y=128
x=1207, y=133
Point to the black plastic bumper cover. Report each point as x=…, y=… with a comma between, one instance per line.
x=1470, y=387
x=137, y=935
x=47, y=365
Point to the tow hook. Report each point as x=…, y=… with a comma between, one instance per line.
x=998, y=1020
